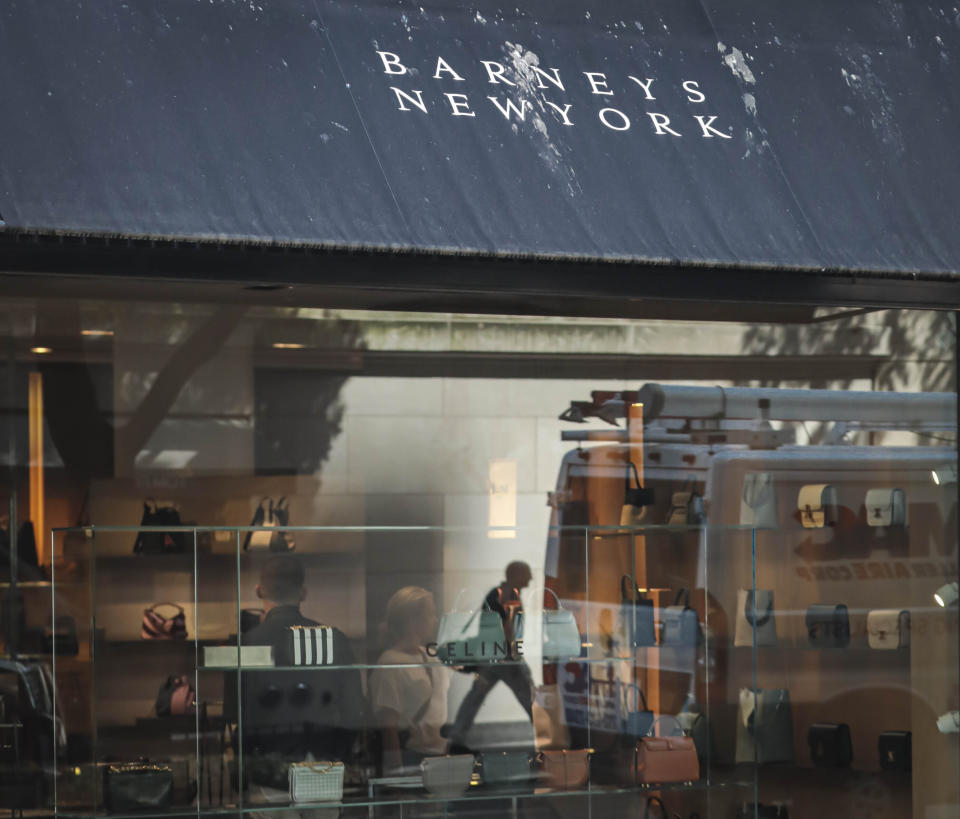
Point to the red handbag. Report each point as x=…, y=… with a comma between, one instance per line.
x=157, y=627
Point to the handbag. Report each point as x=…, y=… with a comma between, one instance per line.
x=830, y=744
x=636, y=496
x=828, y=626
x=447, y=776
x=561, y=637
x=666, y=758
x=176, y=697
x=755, y=618
x=565, y=769
x=888, y=628
x=680, y=624
x=895, y=749
x=686, y=507
x=265, y=521
x=696, y=725
x=158, y=627
x=758, y=501
x=764, y=726
x=886, y=507
x=158, y=543
x=60, y=637
x=137, y=786
x=315, y=781
x=638, y=722
x=818, y=506
x=466, y=637
x=306, y=645
x=506, y=768
x=636, y=615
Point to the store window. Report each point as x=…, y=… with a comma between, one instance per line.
x=478, y=563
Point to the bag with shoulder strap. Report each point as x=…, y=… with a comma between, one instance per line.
x=755, y=618
x=159, y=543
x=157, y=626
x=636, y=615
x=680, y=624
x=666, y=758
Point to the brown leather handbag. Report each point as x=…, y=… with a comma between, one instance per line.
x=666, y=759
x=565, y=769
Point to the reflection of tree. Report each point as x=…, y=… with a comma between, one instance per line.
x=303, y=416
x=919, y=344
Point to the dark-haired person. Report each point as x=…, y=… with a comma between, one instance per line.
x=515, y=674
x=293, y=716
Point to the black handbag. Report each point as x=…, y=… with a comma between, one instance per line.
x=60, y=637
x=830, y=744
x=637, y=612
x=895, y=749
x=828, y=626
x=636, y=496
x=636, y=723
x=159, y=543
x=137, y=786
x=269, y=518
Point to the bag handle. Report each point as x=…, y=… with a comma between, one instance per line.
x=554, y=594
x=651, y=731
x=659, y=802
x=685, y=595
x=640, y=697
x=155, y=606
x=750, y=604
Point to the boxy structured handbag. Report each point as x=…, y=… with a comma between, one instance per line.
x=561, y=637
x=828, y=626
x=895, y=749
x=471, y=637
x=315, y=781
x=565, y=769
x=506, y=769
x=447, y=776
x=137, y=786
x=636, y=615
x=758, y=502
x=267, y=519
x=666, y=758
x=176, y=697
x=307, y=645
x=830, y=744
x=680, y=624
x=817, y=504
x=686, y=507
x=755, y=618
x=696, y=725
x=157, y=626
x=158, y=543
x=888, y=629
x=765, y=726
x=886, y=507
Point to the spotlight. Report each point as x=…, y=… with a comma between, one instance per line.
x=288, y=345
x=41, y=350
x=947, y=594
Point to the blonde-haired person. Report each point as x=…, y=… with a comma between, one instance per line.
x=409, y=700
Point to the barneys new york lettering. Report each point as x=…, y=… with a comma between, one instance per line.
x=527, y=79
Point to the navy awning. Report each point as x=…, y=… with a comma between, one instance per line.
x=754, y=133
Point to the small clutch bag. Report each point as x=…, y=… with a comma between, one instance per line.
x=896, y=750
x=830, y=744
x=308, y=645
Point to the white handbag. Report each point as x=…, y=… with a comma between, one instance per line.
x=888, y=628
x=447, y=776
x=471, y=637
x=561, y=637
x=886, y=507
x=818, y=505
x=758, y=503
x=316, y=781
x=755, y=617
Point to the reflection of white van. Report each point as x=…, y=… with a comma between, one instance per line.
x=869, y=527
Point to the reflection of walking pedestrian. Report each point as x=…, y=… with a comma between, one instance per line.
x=505, y=600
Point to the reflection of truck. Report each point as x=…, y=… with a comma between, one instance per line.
x=724, y=462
